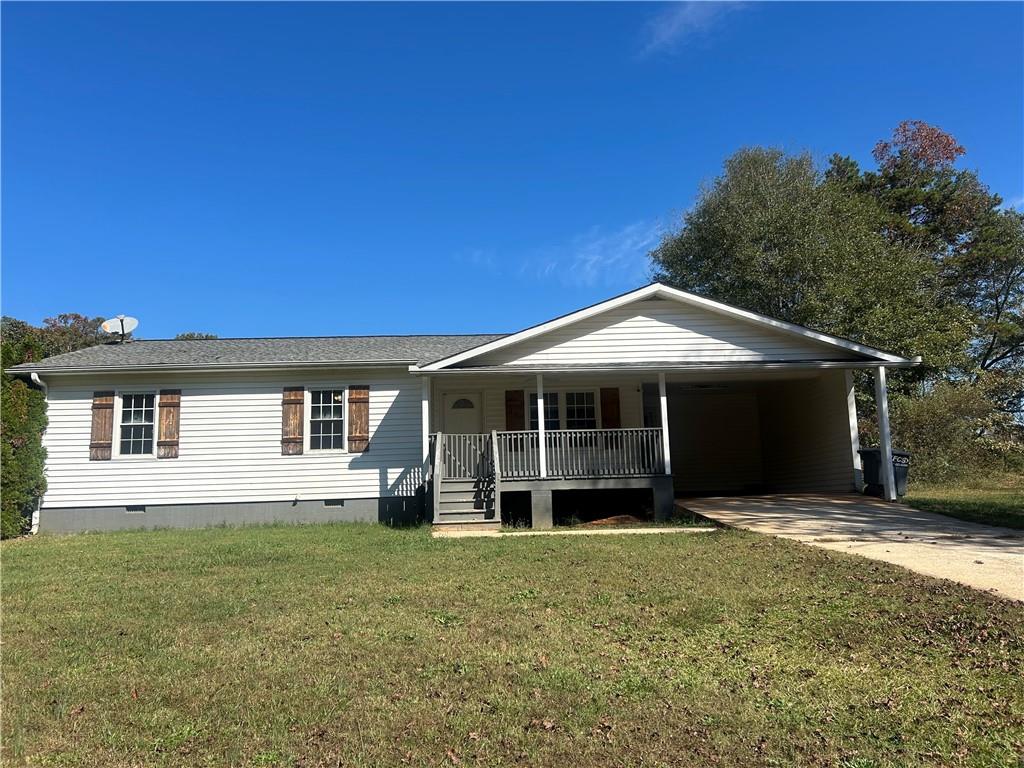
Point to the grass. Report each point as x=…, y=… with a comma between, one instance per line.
x=998, y=501
x=363, y=646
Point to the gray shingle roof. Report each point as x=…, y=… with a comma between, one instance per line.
x=216, y=353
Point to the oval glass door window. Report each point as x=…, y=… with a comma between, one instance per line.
x=462, y=403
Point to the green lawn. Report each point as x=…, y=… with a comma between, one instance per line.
x=998, y=501
x=364, y=646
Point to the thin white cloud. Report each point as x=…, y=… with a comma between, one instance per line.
x=1016, y=203
x=485, y=258
x=682, y=22
x=597, y=257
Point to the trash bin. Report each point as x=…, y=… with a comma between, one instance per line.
x=871, y=458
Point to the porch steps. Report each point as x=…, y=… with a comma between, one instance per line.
x=464, y=502
x=464, y=485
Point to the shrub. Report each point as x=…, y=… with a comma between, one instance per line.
x=21, y=478
x=22, y=420
x=958, y=430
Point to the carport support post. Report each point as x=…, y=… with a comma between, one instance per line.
x=542, y=449
x=851, y=407
x=884, y=436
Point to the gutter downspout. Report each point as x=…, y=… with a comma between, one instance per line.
x=39, y=503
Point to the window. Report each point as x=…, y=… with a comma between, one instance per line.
x=326, y=419
x=137, y=424
x=551, y=420
x=580, y=410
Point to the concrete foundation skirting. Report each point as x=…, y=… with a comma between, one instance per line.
x=542, y=508
x=397, y=510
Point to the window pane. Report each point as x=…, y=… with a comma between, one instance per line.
x=137, y=420
x=550, y=410
x=580, y=410
x=326, y=419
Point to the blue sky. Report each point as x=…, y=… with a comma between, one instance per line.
x=302, y=169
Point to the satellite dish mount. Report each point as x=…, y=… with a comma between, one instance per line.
x=121, y=324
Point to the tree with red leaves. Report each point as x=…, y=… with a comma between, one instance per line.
x=920, y=143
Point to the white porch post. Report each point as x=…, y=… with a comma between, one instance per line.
x=664, y=423
x=542, y=450
x=425, y=416
x=884, y=437
x=851, y=408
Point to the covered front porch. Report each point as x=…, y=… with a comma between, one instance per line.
x=668, y=433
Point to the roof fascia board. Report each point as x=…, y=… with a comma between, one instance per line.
x=693, y=367
x=202, y=367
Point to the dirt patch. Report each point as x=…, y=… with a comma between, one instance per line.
x=614, y=520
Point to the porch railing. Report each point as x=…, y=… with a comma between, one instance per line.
x=519, y=455
x=582, y=453
x=466, y=457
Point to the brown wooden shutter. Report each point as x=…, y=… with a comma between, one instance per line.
x=358, y=418
x=515, y=410
x=611, y=416
x=102, y=435
x=292, y=410
x=170, y=409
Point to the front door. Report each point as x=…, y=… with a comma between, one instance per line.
x=462, y=414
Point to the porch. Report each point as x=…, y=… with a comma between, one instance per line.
x=468, y=473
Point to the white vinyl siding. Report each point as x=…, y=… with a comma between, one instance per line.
x=805, y=428
x=657, y=330
x=230, y=444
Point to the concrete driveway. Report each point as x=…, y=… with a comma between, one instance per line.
x=980, y=556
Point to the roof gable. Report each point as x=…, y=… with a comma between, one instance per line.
x=659, y=324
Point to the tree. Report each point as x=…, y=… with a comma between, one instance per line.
x=953, y=217
x=989, y=280
x=190, y=335
x=926, y=201
x=774, y=235
x=22, y=420
x=71, y=331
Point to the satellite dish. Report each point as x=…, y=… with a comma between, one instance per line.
x=121, y=324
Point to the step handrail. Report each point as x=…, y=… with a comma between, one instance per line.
x=438, y=474
x=496, y=474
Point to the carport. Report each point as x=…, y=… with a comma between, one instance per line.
x=785, y=431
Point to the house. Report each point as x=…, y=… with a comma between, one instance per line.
x=656, y=389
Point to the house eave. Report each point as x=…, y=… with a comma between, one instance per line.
x=709, y=367
x=211, y=367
